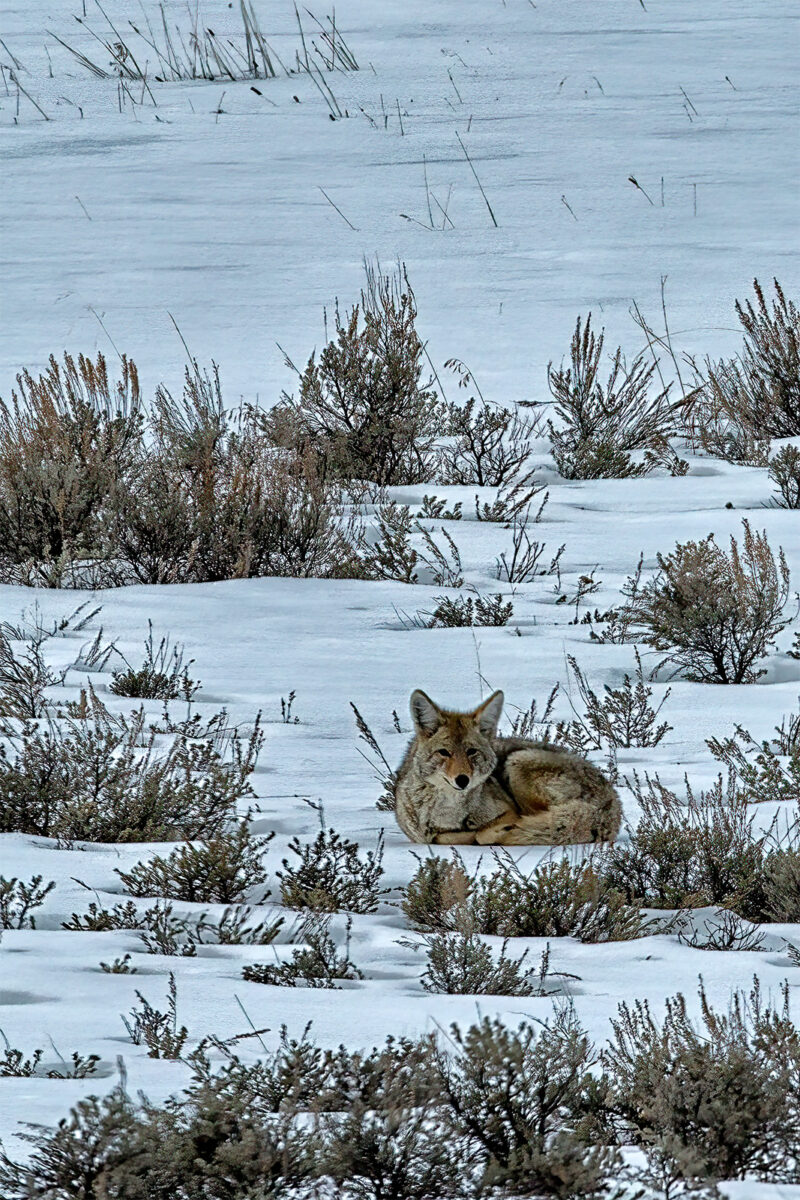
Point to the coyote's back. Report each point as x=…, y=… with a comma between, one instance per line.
x=460, y=783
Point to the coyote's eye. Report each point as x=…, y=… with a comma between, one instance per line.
x=471, y=752
x=444, y=753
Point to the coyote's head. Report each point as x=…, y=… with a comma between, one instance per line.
x=455, y=748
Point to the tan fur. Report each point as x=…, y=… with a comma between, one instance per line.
x=459, y=784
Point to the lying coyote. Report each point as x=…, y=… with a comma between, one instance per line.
x=460, y=783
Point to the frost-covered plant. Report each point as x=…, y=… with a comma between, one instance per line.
x=716, y=613
x=18, y=900
x=364, y=404
x=601, y=424
x=622, y=718
x=317, y=965
x=742, y=403
x=163, y=674
x=332, y=876
x=101, y=777
x=221, y=870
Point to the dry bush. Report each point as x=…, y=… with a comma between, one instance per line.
x=332, y=876
x=716, y=614
x=673, y=1085
x=557, y=899
x=221, y=870
x=99, y=777
x=212, y=500
x=743, y=402
x=459, y=611
x=692, y=853
x=623, y=718
x=319, y=964
x=784, y=472
x=434, y=898
x=601, y=425
x=18, y=901
x=364, y=405
x=488, y=444
x=520, y=1099
x=463, y=964
x=163, y=674
x=69, y=441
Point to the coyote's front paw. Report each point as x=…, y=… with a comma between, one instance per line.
x=455, y=837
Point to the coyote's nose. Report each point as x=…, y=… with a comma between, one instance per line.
x=461, y=781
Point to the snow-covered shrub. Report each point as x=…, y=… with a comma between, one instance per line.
x=673, y=1082
x=364, y=406
x=456, y=612
x=24, y=673
x=690, y=853
x=163, y=674
x=767, y=770
x=488, y=444
x=394, y=1151
x=601, y=424
x=393, y=556
x=526, y=560
x=332, y=876
x=511, y=502
x=744, y=402
x=784, y=472
x=157, y=1030
x=716, y=613
x=622, y=718
x=434, y=898
x=463, y=964
x=212, y=499
x=220, y=870
x=101, y=777
x=162, y=932
x=318, y=965
x=557, y=899
x=203, y=1143
x=520, y=1099
x=18, y=901
x=68, y=441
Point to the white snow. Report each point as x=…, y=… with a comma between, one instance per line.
x=114, y=222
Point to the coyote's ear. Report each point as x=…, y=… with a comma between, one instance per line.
x=426, y=716
x=488, y=714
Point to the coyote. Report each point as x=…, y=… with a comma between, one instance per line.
x=460, y=783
